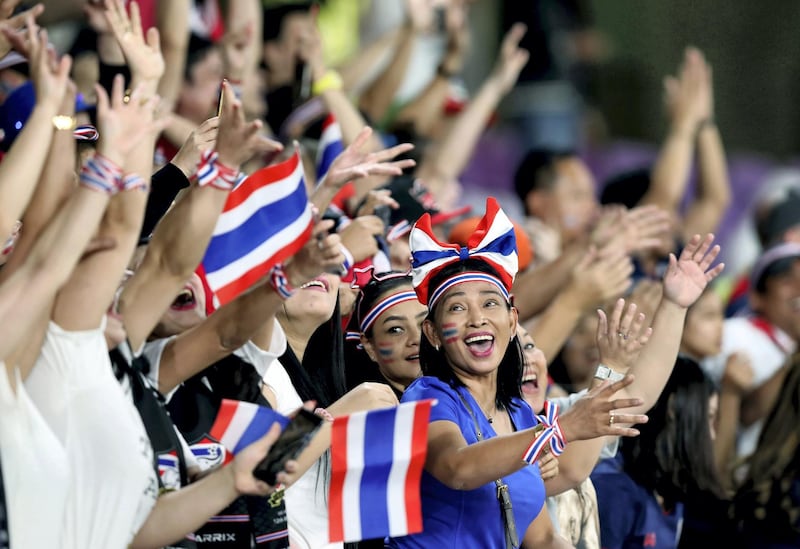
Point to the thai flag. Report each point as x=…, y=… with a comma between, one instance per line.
x=266, y=219
x=376, y=464
x=330, y=146
x=239, y=424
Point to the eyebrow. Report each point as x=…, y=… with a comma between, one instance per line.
x=394, y=318
x=482, y=292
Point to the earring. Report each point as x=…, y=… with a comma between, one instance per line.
x=436, y=347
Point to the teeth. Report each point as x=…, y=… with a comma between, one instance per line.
x=479, y=338
x=313, y=283
x=412, y=357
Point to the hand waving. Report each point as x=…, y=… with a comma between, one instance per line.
x=620, y=339
x=512, y=58
x=688, y=276
x=12, y=25
x=143, y=54
x=355, y=163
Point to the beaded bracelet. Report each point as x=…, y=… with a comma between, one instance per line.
x=101, y=174
x=280, y=282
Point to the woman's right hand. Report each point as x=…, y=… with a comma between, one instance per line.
x=246, y=461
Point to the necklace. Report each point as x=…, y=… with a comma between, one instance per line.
x=490, y=417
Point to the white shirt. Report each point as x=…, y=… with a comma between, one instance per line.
x=113, y=484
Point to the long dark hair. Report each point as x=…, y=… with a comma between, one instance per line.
x=359, y=368
x=321, y=375
x=673, y=456
x=769, y=498
x=434, y=362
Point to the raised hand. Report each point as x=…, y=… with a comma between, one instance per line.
x=688, y=276
x=359, y=236
x=637, y=229
x=12, y=25
x=237, y=140
x=246, y=461
x=622, y=337
x=594, y=414
x=597, y=279
x=202, y=139
x=322, y=253
x=50, y=76
x=512, y=58
x=355, y=162
x=143, y=54
x=689, y=96
x=647, y=295
x=123, y=121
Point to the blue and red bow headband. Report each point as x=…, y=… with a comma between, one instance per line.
x=493, y=242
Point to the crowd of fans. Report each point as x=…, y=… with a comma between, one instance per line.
x=678, y=397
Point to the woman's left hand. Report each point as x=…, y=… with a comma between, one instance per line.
x=622, y=337
x=548, y=466
x=688, y=276
x=246, y=461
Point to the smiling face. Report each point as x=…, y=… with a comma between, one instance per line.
x=187, y=310
x=534, y=376
x=780, y=303
x=393, y=342
x=314, y=299
x=474, y=325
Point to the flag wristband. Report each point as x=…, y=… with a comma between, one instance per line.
x=324, y=414
x=280, y=282
x=548, y=435
x=100, y=174
x=210, y=171
x=132, y=181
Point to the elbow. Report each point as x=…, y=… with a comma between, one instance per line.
x=232, y=338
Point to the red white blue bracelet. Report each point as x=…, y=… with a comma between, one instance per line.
x=280, y=282
x=100, y=174
x=212, y=172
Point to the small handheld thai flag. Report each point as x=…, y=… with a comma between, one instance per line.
x=377, y=459
x=551, y=436
x=330, y=146
x=239, y=424
x=266, y=219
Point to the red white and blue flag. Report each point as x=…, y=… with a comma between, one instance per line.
x=377, y=459
x=330, y=146
x=266, y=219
x=239, y=424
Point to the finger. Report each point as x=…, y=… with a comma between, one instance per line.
x=211, y=123
x=612, y=388
x=388, y=154
x=361, y=139
x=714, y=273
x=709, y=258
x=690, y=247
x=645, y=337
x=616, y=315
x=602, y=325
x=623, y=432
x=136, y=20
x=117, y=94
x=630, y=419
x=622, y=403
x=17, y=21
x=705, y=245
x=627, y=319
x=635, y=329
x=321, y=228
x=154, y=39
x=513, y=37
x=102, y=100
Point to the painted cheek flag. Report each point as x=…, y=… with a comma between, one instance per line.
x=239, y=424
x=330, y=146
x=377, y=459
x=266, y=219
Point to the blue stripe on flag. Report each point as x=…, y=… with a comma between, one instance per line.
x=259, y=426
x=378, y=456
x=329, y=154
x=265, y=223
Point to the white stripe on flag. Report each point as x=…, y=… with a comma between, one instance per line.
x=268, y=194
x=396, y=489
x=238, y=425
x=351, y=498
x=264, y=251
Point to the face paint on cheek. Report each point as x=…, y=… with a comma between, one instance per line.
x=386, y=350
x=449, y=332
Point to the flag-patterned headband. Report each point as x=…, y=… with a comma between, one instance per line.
x=493, y=242
x=383, y=305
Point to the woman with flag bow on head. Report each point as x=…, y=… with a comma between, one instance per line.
x=481, y=487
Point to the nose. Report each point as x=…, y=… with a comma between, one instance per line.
x=476, y=317
x=414, y=335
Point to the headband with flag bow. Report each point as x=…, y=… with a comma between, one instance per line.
x=493, y=242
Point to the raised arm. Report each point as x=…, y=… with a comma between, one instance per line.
x=713, y=192
x=182, y=236
x=451, y=157
x=173, y=26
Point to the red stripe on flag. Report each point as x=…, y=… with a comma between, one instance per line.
x=228, y=293
x=261, y=178
x=224, y=418
x=419, y=449
x=207, y=291
x=338, y=474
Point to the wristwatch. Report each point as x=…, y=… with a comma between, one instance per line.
x=604, y=372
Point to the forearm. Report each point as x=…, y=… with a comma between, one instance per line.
x=22, y=166
x=425, y=110
x=654, y=365
x=535, y=288
x=758, y=403
x=671, y=172
x=450, y=159
x=557, y=323
x=713, y=195
x=377, y=98
x=181, y=512
x=541, y=534
x=173, y=25
x=356, y=70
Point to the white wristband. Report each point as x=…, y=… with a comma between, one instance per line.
x=604, y=372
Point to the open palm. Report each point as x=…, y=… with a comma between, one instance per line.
x=688, y=276
x=356, y=162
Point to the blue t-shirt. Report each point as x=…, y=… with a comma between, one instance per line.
x=471, y=518
x=630, y=516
